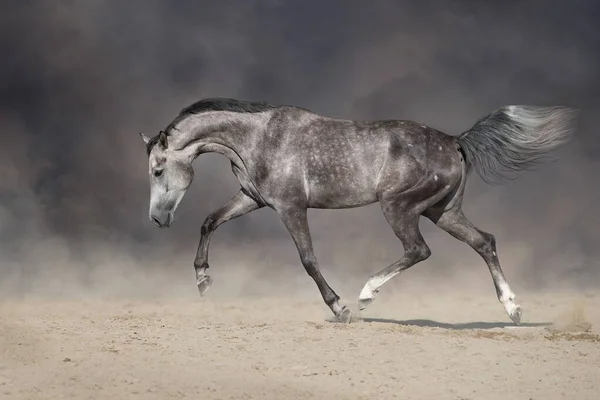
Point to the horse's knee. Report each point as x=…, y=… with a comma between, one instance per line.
x=208, y=226
x=485, y=244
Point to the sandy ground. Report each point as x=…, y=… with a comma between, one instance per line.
x=411, y=346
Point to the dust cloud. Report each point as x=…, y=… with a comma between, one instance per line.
x=79, y=80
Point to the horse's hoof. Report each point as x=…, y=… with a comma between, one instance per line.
x=516, y=314
x=366, y=296
x=204, y=284
x=363, y=303
x=345, y=316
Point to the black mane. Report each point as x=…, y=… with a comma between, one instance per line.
x=225, y=104
x=214, y=104
x=220, y=104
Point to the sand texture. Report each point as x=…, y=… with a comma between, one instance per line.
x=406, y=346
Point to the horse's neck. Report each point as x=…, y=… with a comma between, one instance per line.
x=223, y=133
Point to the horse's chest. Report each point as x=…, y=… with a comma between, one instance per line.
x=246, y=183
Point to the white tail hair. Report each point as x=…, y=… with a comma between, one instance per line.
x=514, y=139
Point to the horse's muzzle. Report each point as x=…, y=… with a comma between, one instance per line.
x=163, y=222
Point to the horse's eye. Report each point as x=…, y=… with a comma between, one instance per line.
x=158, y=172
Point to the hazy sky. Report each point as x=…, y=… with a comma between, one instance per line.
x=79, y=80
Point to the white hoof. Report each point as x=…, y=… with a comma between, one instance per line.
x=514, y=311
x=516, y=314
x=363, y=303
x=204, y=283
x=366, y=297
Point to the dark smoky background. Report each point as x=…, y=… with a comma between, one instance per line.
x=79, y=80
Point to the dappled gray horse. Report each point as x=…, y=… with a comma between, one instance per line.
x=290, y=159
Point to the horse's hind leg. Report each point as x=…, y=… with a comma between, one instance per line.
x=405, y=224
x=296, y=222
x=456, y=224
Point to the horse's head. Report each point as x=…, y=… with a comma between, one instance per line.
x=171, y=174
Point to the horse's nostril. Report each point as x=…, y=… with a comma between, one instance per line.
x=156, y=221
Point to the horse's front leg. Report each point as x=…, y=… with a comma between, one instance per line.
x=296, y=222
x=239, y=205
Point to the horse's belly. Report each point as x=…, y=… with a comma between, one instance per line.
x=341, y=195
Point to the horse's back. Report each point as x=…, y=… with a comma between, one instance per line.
x=339, y=163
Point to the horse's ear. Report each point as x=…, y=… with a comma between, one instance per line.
x=145, y=138
x=162, y=140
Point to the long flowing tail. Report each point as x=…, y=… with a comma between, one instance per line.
x=514, y=139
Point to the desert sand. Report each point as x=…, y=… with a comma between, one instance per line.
x=406, y=345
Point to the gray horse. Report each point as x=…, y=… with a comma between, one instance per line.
x=291, y=159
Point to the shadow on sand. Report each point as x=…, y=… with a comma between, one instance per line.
x=425, y=323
